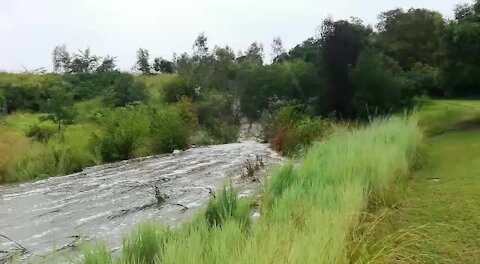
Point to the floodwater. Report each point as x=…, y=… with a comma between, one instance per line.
x=106, y=201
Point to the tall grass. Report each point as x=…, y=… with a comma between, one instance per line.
x=309, y=211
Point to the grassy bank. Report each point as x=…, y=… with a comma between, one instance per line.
x=437, y=222
x=308, y=212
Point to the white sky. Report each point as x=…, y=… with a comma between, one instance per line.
x=30, y=29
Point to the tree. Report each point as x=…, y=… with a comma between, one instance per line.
x=461, y=66
x=342, y=42
x=142, y=63
x=379, y=85
x=161, y=65
x=200, y=48
x=156, y=64
x=59, y=105
x=83, y=62
x=278, y=52
x=309, y=51
x=108, y=64
x=412, y=36
x=121, y=89
x=61, y=59
x=254, y=54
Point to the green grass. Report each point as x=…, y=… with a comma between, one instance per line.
x=308, y=212
x=443, y=115
x=19, y=122
x=438, y=222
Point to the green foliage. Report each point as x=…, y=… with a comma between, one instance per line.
x=123, y=89
x=461, y=67
x=54, y=158
x=122, y=131
x=342, y=42
x=314, y=210
x=142, y=63
x=225, y=206
x=426, y=80
x=59, y=105
x=282, y=178
x=216, y=113
x=89, y=111
x=117, y=89
x=290, y=129
x=262, y=86
x=41, y=132
x=379, y=85
x=163, y=66
x=411, y=37
x=145, y=244
x=223, y=132
x=176, y=88
x=24, y=91
x=169, y=130
x=96, y=254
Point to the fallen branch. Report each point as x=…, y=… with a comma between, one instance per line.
x=23, y=249
x=179, y=204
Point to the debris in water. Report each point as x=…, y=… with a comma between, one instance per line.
x=161, y=198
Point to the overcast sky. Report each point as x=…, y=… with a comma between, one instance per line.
x=30, y=29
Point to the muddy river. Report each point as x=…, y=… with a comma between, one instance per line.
x=106, y=201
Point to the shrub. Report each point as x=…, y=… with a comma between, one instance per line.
x=289, y=129
x=187, y=112
x=122, y=131
x=41, y=132
x=178, y=87
x=223, y=133
x=89, y=111
x=169, y=131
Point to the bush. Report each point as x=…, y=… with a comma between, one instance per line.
x=41, y=132
x=118, y=89
x=123, y=89
x=290, y=129
x=217, y=115
x=122, y=131
x=178, y=87
x=169, y=131
x=223, y=133
x=187, y=112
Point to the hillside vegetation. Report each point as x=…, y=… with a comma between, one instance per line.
x=88, y=112
x=308, y=212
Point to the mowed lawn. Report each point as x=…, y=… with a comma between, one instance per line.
x=439, y=219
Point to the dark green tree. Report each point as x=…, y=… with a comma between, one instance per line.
x=412, y=36
x=342, y=42
x=108, y=64
x=461, y=66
